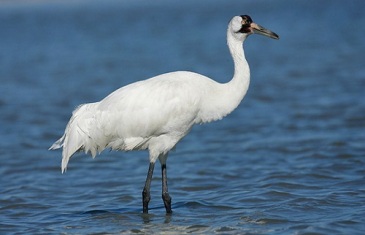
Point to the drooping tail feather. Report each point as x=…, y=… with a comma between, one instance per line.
x=58, y=144
x=67, y=152
x=76, y=134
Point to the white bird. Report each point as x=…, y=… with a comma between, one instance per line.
x=156, y=113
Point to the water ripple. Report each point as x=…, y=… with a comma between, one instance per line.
x=289, y=160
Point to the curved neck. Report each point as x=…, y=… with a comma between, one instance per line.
x=222, y=99
x=241, y=76
x=236, y=89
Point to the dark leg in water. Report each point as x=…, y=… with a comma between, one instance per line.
x=146, y=196
x=165, y=193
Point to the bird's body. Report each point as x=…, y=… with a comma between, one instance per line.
x=156, y=113
x=153, y=114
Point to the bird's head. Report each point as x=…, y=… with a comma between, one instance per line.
x=242, y=26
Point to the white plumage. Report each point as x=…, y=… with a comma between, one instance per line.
x=156, y=113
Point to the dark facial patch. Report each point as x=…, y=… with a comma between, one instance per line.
x=246, y=24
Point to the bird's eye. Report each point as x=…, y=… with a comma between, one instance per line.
x=246, y=20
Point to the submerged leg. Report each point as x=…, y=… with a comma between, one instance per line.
x=146, y=196
x=165, y=193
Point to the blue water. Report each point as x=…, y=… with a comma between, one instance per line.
x=289, y=160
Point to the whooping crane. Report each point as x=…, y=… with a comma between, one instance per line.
x=156, y=113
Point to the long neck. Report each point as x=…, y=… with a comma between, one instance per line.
x=224, y=98
x=236, y=89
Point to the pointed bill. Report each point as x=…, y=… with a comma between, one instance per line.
x=261, y=30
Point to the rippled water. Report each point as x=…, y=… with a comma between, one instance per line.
x=289, y=160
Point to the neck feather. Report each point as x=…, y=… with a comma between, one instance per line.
x=224, y=98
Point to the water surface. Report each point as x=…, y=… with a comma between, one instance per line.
x=289, y=160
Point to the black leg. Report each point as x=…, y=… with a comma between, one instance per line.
x=165, y=193
x=146, y=197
